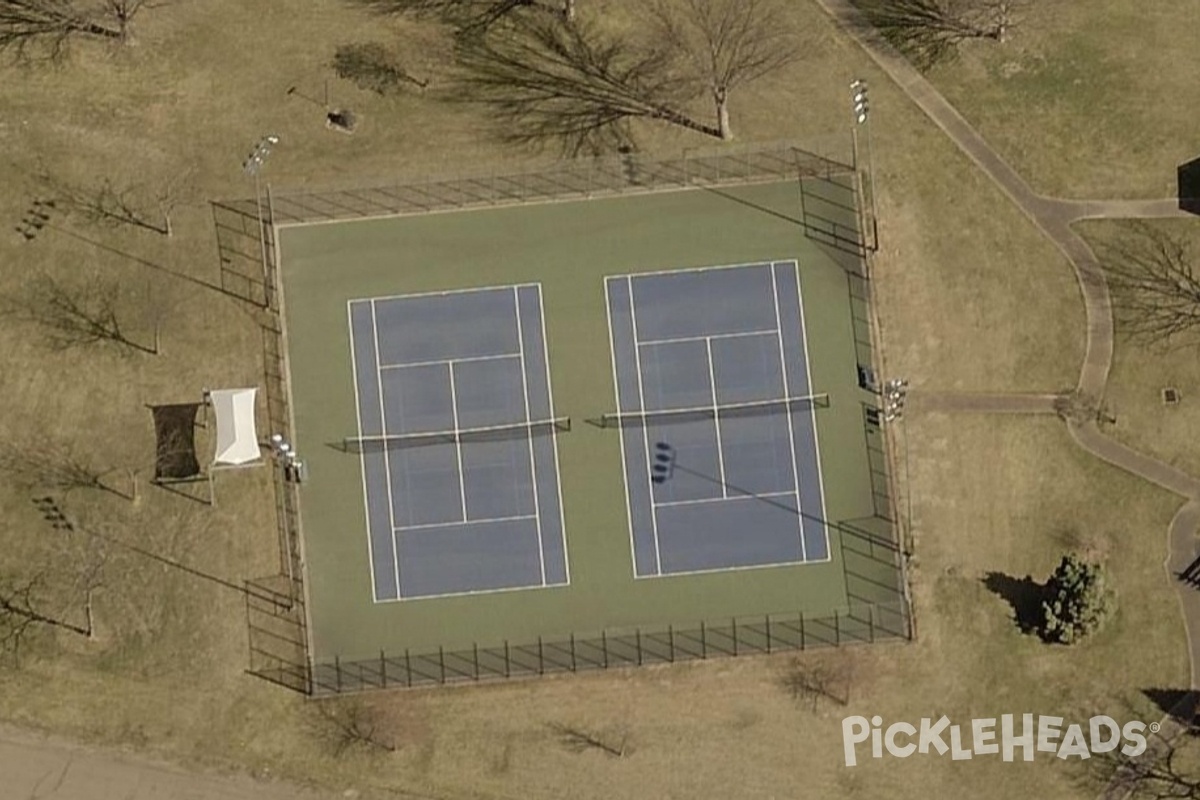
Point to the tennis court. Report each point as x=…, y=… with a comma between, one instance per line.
x=458, y=442
x=717, y=419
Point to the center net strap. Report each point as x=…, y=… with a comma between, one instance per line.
x=490, y=433
x=754, y=408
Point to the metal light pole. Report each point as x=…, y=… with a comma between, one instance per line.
x=862, y=117
x=252, y=166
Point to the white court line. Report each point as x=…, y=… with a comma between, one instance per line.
x=532, y=463
x=441, y=293
x=646, y=438
x=438, y=362
x=698, y=500
x=430, y=525
x=714, y=268
x=562, y=524
x=772, y=565
x=712, y=382
x=387, y=460
x=612, y=351
x=462, y=476
x=362, y=458
x=702, y=338
x=812, y=412
x=786, y=393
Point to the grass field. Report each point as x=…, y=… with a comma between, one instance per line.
x=1036, y=99
x=970, y=298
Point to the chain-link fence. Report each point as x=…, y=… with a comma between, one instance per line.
x=770, y=633
x=575, y=179
x=249, y=268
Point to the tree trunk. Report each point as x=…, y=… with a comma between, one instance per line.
x=724, y=130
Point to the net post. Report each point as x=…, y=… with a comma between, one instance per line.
x=703, y=641
x=407, y=668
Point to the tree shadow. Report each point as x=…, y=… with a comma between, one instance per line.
x=1178, y=703
x=1025, y=595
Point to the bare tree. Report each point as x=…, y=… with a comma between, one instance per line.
x=1166, y=771
x=930, y=31
x=76, y=315
x=32, y=29
x=545, y=81
x=22, y=603
x=351, y=724
x=41, y=463
x=579, y=739
x=1154, y=282
x=370, y=66
x=727, y=43
x=472, y=16
x=108, y=203
x=814, y=679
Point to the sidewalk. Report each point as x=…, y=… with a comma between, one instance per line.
x=36, y=767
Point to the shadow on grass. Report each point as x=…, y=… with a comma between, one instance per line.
x=1178, y=703
x=1025, y=595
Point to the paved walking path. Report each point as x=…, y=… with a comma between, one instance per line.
x=983, y=402
x=36, y=767
x=1054, y=217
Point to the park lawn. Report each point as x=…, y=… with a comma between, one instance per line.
x=1142, y=370
x=970, y=299
x=1087, y=99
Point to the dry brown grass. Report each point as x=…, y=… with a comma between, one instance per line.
x=1084, y=100
x=971, y=298
x=1141, y=371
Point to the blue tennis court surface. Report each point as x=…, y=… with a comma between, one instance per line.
x=712, y=379
x=475, y=506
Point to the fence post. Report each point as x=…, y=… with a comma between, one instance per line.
x=671, y=641
x=768, y=628
x=383, y=668
x=574, y=665
x=638, y=638
x=733, y=625
x=442, y=661
x=703, y=641
x=803, y=642
x=337, y=672
x=837, y=630
x=871, y=622
x=475, y=652
x=507, y=662
x=541, y=658
x=408, y=667
x=604, y=646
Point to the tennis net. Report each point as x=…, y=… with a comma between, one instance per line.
x=753, y=408
x=491, y=433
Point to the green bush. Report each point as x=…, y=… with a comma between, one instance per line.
x=1079, y=601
